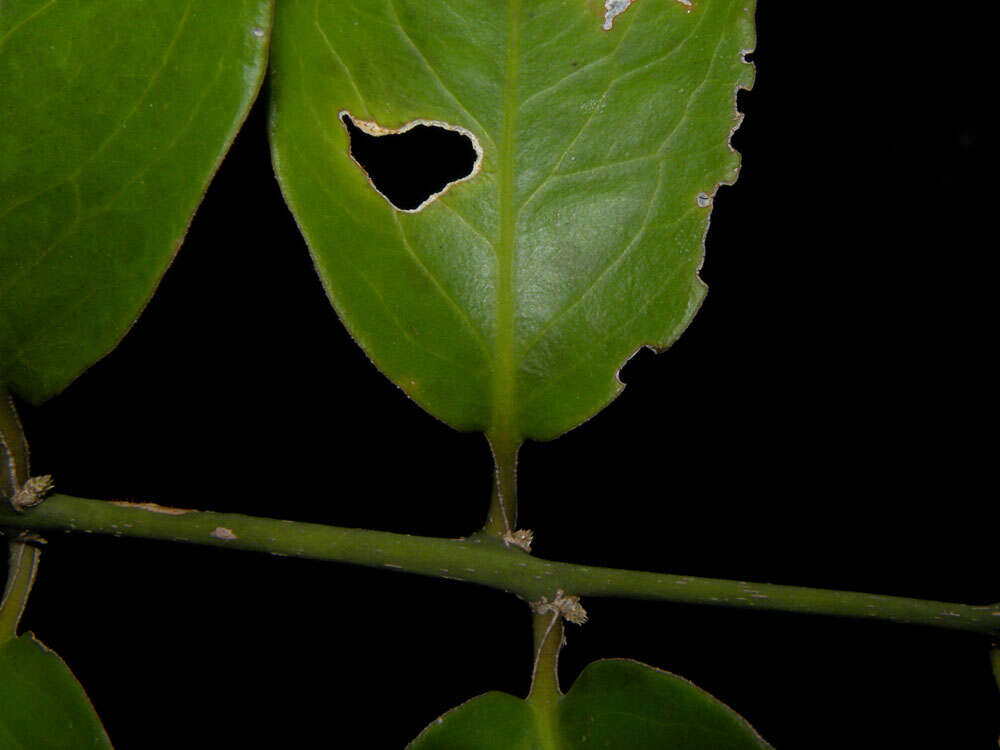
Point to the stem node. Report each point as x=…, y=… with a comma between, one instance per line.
x=32, y=493
x=567, y=607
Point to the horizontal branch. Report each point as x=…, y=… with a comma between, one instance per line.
x=478, y=559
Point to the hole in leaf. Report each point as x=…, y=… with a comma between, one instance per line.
x=411, y=166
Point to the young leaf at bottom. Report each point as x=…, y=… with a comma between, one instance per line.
x=614, y=703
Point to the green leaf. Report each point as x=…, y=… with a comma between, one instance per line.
x=508, y=303
x=41, y=703
x=494, y=721
x=113, y=119
x=614, y=703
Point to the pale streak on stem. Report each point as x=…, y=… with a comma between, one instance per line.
x=502, y=518
x=545, y=694
x=13, y=448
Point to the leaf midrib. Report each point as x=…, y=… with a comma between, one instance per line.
x=503, y=427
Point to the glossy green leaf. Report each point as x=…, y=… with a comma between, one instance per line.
x=494, y=721
x=614, y=704
x=41, y=703
x=508, y=303
x=113, y=117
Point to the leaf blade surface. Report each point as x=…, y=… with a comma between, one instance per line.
x=42, y=705
x=508, y=304
x=614, y=703
x=114, y=118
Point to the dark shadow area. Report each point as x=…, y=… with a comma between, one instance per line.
x=408, y=168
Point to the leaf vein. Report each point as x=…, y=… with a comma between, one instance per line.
x=121, y=125
x=567, y=77
x=465, y=221
x=612, y=82
x=592, y=348
x=605, y=165
x=78, y=219
x=375, y=291
x=463, y=315
x=590, y=117
x=434, y=73
x=338, y=58
x=25, y=21
x=617, y=260
x=685, y=115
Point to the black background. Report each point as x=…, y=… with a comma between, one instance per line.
x=827, y=420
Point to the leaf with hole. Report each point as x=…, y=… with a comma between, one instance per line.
x=41, y=703
x=115, y=116
x=508, y=301
x=614, y=703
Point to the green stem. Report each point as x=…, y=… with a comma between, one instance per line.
x=22, y=560
x=13, y=448
x=545, y=693
x=548, y=630
x=502, y=517
x=480, y=559
x=22, y=564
